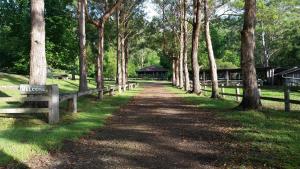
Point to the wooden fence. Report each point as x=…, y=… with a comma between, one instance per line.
x=237, y=86
x=50, y=95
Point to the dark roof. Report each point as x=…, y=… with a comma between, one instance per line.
x=238, y=69
x=152, y=69
x=294, y=69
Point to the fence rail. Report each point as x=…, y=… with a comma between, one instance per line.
x=236, y=85
x=53, y=99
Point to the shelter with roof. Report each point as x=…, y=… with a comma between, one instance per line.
x=291, y=76
x=153, y=72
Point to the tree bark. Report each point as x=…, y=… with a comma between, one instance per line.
x=185, y=49
x=126, y=50
x=195, y=43
x=119, y=53
x=123, y=62
x=181, y=43
x=99, y=67
x=38, y=62
x=251, y=98
x=174, y=72
x=177, y=72
x=83, y=85
x=211, y=57
x=266, y=51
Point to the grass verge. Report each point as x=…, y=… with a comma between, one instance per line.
x=23, y=136
x=262, y=139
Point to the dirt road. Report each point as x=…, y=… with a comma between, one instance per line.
x=155, y=130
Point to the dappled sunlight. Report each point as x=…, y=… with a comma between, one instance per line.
x=31, y=138
x=268, y=137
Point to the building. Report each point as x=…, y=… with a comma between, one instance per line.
x=291, y=76
x=153, y=72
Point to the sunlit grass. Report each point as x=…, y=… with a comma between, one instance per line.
x=268, y=137
x=22, y=136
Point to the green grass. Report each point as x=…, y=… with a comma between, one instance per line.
x=23, y=136
x=268, y=137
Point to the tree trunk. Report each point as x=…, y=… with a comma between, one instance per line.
x=211, y=57
x=185, y=49
x=174, y=72
x=251, y=98
x=123, y=62
x=266, y=52
x=181, y=46
x=195, y=43
x=99, y=75
x=177, y=71
x=83, y=85
x=119, y=53
x=38, y=63
x=126, y=50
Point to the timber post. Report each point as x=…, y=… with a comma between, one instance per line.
x=72, y=104
x=287, y=104
x=223, y=90
x=53, y=116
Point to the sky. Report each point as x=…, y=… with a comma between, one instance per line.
x=150, y=9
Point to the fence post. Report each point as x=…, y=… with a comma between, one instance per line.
x=223, y=90
x=72, y=104
x=259, y=89
x=119, y=88
x=53, y=116
x=287, y=105
x=237, y=91
x=111, y=91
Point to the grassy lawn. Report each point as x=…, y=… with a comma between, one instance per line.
x=23, y=136
x=268, y=138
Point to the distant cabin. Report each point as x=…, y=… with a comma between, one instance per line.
x=265, y=75
x=153, y=72
x=291, y=76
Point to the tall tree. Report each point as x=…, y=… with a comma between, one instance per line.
x=211, y=56
x=177, y=71
x=181, y=44
x=251, y=98
x=119, y=53
x=38, y=63
x=195, y=43
x=100, y=26
x=83, y=85
x=185, y=48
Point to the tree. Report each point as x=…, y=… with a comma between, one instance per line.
x=251, y=98
x=185, y=48
x=195, y=43
x=212, y=61
x=38, y=63
x=83, y=85
x=119, y=53
x=100, y=26
x=181, y=44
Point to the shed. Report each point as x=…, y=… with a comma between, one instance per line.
x=291, y=76
x=153, y=72
x=266, y=74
